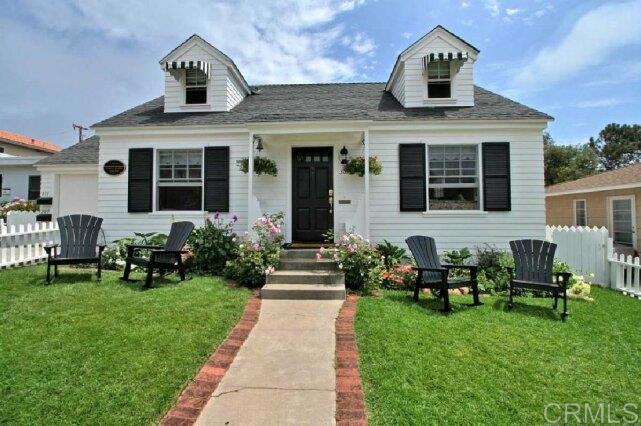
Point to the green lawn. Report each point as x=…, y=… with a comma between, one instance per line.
x=108, y=353
x=488, y=366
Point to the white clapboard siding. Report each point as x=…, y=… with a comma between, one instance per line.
x=586, y=250
x=455, y=230
x=17, y=218
x=625, y=273
x=23, y=244
x=112, y=190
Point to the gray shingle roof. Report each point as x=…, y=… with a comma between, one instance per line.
x=319, y=102
x=85, y=152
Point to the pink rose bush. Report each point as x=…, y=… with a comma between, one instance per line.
x=259, y=256
x=17, y=204
x=359, y=259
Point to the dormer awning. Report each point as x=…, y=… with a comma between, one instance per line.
x=189, y=65
x=444, y=56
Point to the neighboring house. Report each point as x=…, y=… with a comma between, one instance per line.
x=18, y=153
x=611, y=199
x=460, y=163
x=70, y=179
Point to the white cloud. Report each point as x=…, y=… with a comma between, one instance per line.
x=512, y=12
x=406, y=35
x=359, y=43
x=599, y=103
x=83, y=61
x=493, y=6
x=595, y=37
x=465, y=4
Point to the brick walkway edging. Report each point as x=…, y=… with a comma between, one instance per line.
x=350, y=403
x=194, y=397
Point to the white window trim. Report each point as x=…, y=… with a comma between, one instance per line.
x=479, y=167
x=585, y=210
x=452, y=99
x=184, y=90
x=155, y=174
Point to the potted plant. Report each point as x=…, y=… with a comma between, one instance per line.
x=356, y=166
x=262, y=166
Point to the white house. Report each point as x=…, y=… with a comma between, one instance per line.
x=18, y=154
x=460, y=163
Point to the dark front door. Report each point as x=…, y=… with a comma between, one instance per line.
x=312, y=191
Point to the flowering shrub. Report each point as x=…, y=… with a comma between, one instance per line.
x=258, y=257
x=213, y=245
x=399, y=276
x=359, y=260
x=19, y=205
x=580, y=287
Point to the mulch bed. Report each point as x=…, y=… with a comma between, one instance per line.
x=194, y=397
x=350, y=404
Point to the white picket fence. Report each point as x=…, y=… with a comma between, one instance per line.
x=23, y=244
x=624, y=273
x=586, y=250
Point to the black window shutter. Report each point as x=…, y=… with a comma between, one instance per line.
x=412, y=177
x=217, y=179
x=496, y=177
x=140, y=180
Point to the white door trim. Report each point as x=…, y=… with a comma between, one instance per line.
x=633, y=215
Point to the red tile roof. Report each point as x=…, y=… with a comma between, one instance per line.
x=26, y=141
x=627, y=175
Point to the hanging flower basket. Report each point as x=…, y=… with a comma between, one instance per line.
x=262, y=166
x=356, y=166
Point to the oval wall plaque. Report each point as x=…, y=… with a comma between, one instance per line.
x=114, y=167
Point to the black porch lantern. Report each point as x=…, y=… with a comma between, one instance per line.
x=259, y=144
x=344, y=153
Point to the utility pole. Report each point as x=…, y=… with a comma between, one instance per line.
x=80, y=129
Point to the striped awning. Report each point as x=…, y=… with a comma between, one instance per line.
x=189, y=65
x=444, y=56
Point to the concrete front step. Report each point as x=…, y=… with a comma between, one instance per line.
x=307, y=265
x=305, y=277
x=297, y=254
x=303, y=291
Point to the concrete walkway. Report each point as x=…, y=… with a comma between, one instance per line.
x=284, y=372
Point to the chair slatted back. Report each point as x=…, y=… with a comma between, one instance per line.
x=533, y=260
x=178, y=235
x=424, y=251
x=79, y=235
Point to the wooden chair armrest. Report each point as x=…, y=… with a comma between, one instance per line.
x=416, y=268
x=49, y=247
x=143, y=246
x=163, y=251
x=468, y=267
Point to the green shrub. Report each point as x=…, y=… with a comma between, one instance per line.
x=359, y=259
x=258, y=257
x=113, y=257
x=392, y=254
x=212, y=245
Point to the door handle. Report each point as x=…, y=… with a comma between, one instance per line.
x=331, y=201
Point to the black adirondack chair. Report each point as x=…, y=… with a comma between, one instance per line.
x=434, y=275
x=78, y=243
x=533, y=261
x=163, y=258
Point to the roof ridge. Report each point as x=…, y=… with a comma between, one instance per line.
x=319, y=84
x=600, y=175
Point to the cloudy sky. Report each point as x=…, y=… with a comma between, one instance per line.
x=83, y=61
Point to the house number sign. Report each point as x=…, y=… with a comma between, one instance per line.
x=114, y=167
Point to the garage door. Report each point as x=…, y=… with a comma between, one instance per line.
x=78, y=194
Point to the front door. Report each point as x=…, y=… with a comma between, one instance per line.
x=312, y=192
x=623, y=220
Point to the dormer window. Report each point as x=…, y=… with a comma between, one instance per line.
x=439, y=81
x=195, y=87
